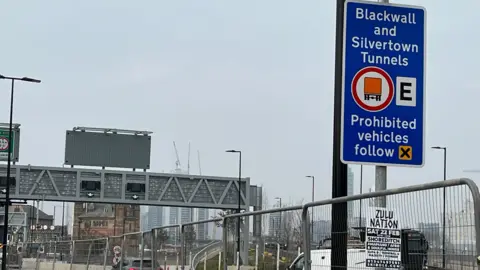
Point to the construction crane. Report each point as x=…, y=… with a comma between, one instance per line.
x=178, y=166
x=188, y=160
x=199, y=165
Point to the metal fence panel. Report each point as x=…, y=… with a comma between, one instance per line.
x=413, y=216
x=277, y=244
x=201, y=250
x=408, y=232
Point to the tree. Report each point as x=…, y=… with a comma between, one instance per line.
x=291, y=232
x=190, y=235
x=231, y=223
x=161, y=236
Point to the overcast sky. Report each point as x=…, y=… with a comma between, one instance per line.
x=256, y=76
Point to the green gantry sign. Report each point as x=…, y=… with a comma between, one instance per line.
x=4, y=143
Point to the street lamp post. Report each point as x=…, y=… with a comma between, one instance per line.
x=239, y=198
x=9, y=161
x=444, y=149
x=280, y=221
x=313, y=198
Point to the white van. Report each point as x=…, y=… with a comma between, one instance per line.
x=321, y=259
x=414, y=253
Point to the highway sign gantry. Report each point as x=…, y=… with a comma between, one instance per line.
x=383, y=103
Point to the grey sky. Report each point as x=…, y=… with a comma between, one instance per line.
x=256, y=76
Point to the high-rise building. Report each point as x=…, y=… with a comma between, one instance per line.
x=202, y=229
x=173, y=233
x=144, y=222
x=186, y=215
x=154, y=217
x=274, y=223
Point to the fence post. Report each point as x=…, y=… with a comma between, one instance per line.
x=54, y=254
x=278, y=256
x=205, y=261
x=476, y=206
x=183, y=264
x=72, y=255
x=225, y=242
x=182, y=246
x=124, y=239
x=142, y=252
x=165, y=262
x=89, y=252
x=306, y=238
x=105, y=253
x=238, y=260
x=37, y=261
x=256, y=257
x=220, y=260
x=153, y=238
x=190, y=260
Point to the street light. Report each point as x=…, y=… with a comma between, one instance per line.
x=9, y=161
x=444, y=149
x=239, y=198
x=280, y=221
x=313, y=197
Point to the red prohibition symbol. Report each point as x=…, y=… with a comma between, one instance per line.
x=372, y=89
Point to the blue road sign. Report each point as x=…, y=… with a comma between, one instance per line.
x=383, y=107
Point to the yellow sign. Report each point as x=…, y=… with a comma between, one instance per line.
x=405, y=152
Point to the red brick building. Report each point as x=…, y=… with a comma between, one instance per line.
x=96, y=220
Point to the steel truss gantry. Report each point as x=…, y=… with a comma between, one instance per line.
x=160, y=189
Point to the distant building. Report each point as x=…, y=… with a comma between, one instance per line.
x=96, y=220
x=155, y=217
x=432, y=233
x=202, y=229
x=173, y=233
x=274, y=223
x=34, y=230
x=186, y=215
x=144, y=222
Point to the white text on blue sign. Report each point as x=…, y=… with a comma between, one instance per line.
x=383, y=88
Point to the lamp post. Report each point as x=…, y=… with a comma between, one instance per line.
x=444, y=149
x=280, y=220
x=313, y=198
x=239, y=198
x=9, y=161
